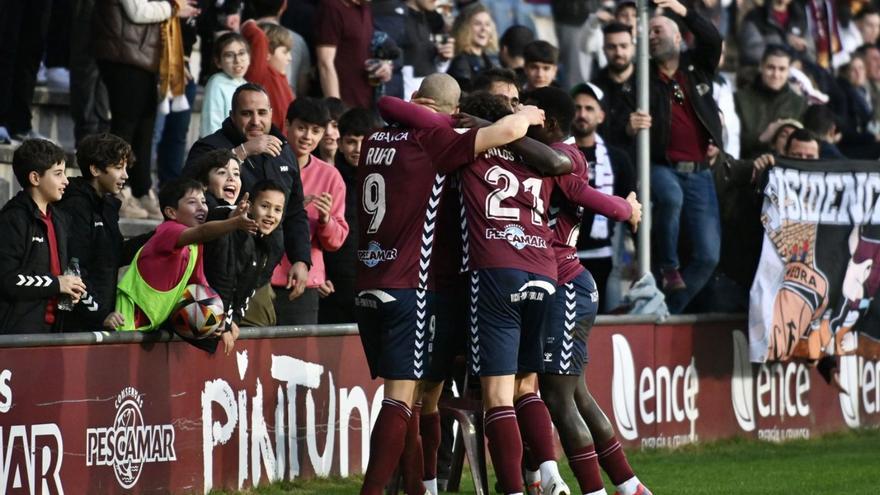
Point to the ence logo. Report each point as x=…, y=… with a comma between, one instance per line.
x=129, y=443
x=860, y=379
x=663, y=395
x=775, y=390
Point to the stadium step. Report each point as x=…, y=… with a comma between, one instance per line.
x=51, y=118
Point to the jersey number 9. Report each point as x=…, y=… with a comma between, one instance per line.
x=374, y=200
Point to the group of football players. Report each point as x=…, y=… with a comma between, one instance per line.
x=469, y=213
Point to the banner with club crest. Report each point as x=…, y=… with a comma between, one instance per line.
x=819, y=272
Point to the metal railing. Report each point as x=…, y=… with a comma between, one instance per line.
x=100, y=338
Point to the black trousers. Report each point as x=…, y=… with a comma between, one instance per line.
x=23, y=28
x=600, y=269
x=339, y=306
x=89, y=106
x=132, y=93
x=301, y=311
x=58, y=49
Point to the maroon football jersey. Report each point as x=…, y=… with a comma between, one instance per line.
x=573, y=193
x=565, y=216
x=446, y=262
x=400, y=179
x=505, y=212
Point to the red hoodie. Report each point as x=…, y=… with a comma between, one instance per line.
x=260, y=72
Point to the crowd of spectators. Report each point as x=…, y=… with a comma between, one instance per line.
x=289, y=91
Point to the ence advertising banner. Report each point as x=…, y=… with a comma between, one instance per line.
x=813, y=295
x=168, y=418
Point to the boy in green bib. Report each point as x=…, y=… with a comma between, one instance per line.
x=172, y=258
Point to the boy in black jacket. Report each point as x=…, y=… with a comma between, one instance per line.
x=92, y=208
x=33, y=254
x=340, y=265
x=239, y=263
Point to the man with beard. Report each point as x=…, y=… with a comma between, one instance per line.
x=766, y=101
x=611, y=172
x=685, y=121
x=616, y=81
x=263, y=151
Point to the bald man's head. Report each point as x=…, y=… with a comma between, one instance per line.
x=664, y=39
x=443, y=89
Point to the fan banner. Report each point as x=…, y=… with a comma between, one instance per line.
x=813, y=295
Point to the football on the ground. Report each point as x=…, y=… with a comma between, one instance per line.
x=199, y=312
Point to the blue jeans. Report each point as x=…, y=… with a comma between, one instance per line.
x=170, y=133
x=690, y=198
x=507, y=13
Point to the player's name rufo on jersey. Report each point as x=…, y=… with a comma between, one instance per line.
x=826, y=197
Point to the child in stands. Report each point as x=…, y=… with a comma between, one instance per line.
x=330, y=143
x=239, y=263
x=172, y=258
x=33, y=254
x=354, y=125
x=220, y=172
x=232, y=56
x=324, y=193
x=542, y=64
x=270, y=57
x=92, y=207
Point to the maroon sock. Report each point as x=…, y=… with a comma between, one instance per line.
x=386, y=445
x=585, y=466
x=536, y=428
x=505, y=447
x=411, y=461
x=429, y=426
x=613, y=461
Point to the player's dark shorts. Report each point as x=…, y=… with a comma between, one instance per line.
x=395, y=327
x=572, y=317
x=450, y=332
x=507, y=314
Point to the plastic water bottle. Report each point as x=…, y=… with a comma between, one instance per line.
x=66, y=302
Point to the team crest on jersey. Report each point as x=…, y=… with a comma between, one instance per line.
x=516, y=236
x=374, y=254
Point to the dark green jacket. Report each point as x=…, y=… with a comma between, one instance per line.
x=758, y=106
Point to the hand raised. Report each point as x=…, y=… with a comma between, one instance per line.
x=242, y=220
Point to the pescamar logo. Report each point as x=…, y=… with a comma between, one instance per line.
x=374, y=254
x=516, y=236
x=129, y=443
x=664, y=395
x=777, y=390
